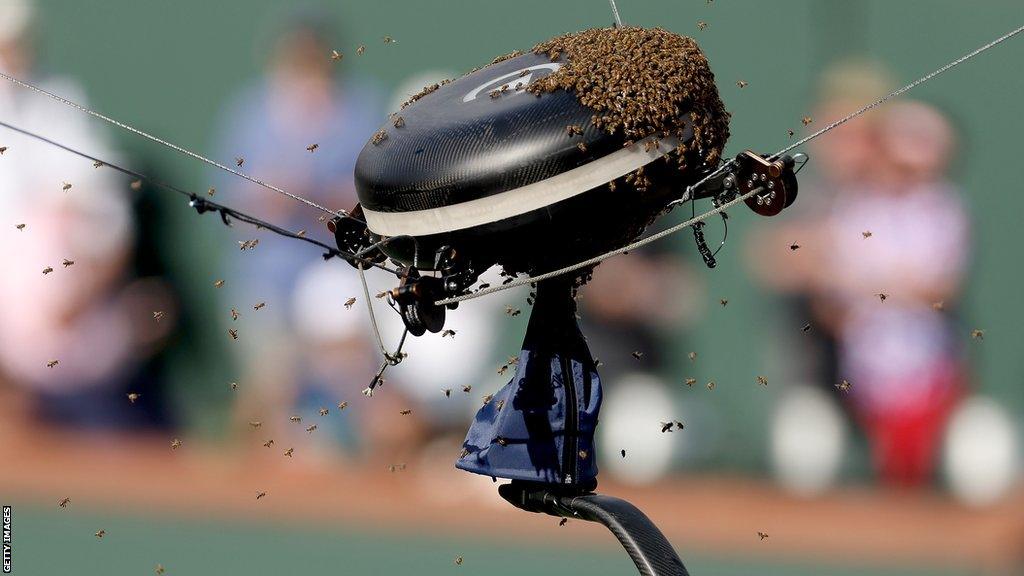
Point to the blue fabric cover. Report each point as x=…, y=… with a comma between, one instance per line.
x=526, y=431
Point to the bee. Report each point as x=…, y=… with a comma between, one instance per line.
x=379, y=137
x=396, y=467
x=234, y=314
x=234, y=385
x=487, y=399
x=582, y=147
x=464, y=453
x=136, y=185
x=67, y=263
x=447, y=333
x=64, y=503
x=342, y=405
x=211, y=191
x=159, y=569
x=296, y=419
x=47, y=270
x=499, y=405
x=248, y=244
x=794, y=246
x=724, y=302
x=289, y=452
x=762, y=535
x=301, y=233
x=4, y=148
x=233, y=333
x=513, y=312
x=483, y=286
x=336, y=56
x=806, y=120
x=20, y=226
x=361, y=49
x=65, y=186
x=467, y=388
x=175, y=444
x=133, y=396
x=882, y=296
x=101, y=533
x=563, y=521
x=611, y=185
x=350, y=302
x=711, y=385
x=494, y=94
x=260, y=495
x=638, y=354
x=502, y=369
x=259, y=306
x=978, y=334
x=255, y=423
x=447, y=392
x=405, y=412
x=844, y=386
x=501, y=440
x=312, y=147
x=218, y=284
x=269, y=443
x=742, y=83
x=666, y=427
x=399, y=122
x=762, y=380
x=311, y=428
x=379, y=295
x=690, y=382
x=52, y=363
x=324, y=411
x=806, y=328
x=583, y=454
x=239, y=161
x=574, y=130
x=701, y=25
x=939, y=306
x=866, y=234
x=458, y=560
x=790, y=133
x=513, y=360
x=693, y=356
x=623, y=452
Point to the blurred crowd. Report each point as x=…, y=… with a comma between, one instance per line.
x=870, y=267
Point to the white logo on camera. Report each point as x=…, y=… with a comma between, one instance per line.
x=512, y=78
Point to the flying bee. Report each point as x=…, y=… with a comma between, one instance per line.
x=20, y=226
x=882, y=296
x=360, y=49
x=938, y=306
x=638, y=354
x=249, y=244
x=623, y=452
x=711, y=385
x=336, y=56
x=350, y=302
x=724, y=302
x=289, y=452
x=396, y=467
x=399, y=122
x=233, y=333
x=512, y=311
x=234, y=314
x=269, y=443
x=175, y=444
x=211, y=191
x=693, y=356
x=4, y=148
x=487, y=399
x=447, y=392
x=762, y=535
x=690, y=382
x=806, y=120
x=239, y=161
x=458, y=560
x=563, y=521
x=260, y=495
x=311, y=428
x=66, y=186
x=405, y=412
x=136, y=185
x=447, y=333
x=666, y=427
x=259, y=306
x=218, y=284
x=701, y=25
x=52, y=363
x=790, y=133
x=502, y=369
x=742, y=83
x=467, y=388
x=47, y=270
x=342, y=405
x=133, y=396
x=312, y=147
x=806, y=328
x=255, y=423
x=844, y=386
x=866, y=234
x=101, y=533
x=762, y=380
x=234, y=385
x=159, y=569
x=794, y=246
x=978, y=334
x=296, y=419
x=379, y=295
x=324, y=411
x=64, y=503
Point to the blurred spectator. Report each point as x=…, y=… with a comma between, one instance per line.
x=882, y=268
x=79, y=224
